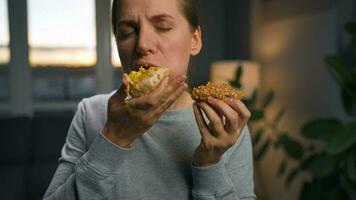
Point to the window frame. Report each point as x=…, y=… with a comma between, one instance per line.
x=5, y=65
x=66, y=73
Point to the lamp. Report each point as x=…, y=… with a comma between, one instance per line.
x=225, y=71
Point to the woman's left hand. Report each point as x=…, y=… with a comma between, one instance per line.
x=227, y=120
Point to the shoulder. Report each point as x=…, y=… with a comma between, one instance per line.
x=91, y=116
x=94, y=109
x=98, y=99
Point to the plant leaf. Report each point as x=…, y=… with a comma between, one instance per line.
x=322, y=165
x=350, y=28
x=291, y=176
x=254, y=95
x=251, y=102
x=337, y=194
x=292, y=147
x=349, y=103
x=260, y=152
x=256, y=115
x=267, y=100
x=343, y=75
x=353, y=46
x=323, y=129
x=307, y=192
x=278, y=116
x=239, y=72
x=343, y=140
x=306, y=163
x=237, y=82
x=257, y=136
x=282, y=167
x=281, y=140
x=349, y=165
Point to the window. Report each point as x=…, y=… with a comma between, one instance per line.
x=4, y=34
x=62, y=33
x=63, y=84
x=62, y=49
x=4, y=52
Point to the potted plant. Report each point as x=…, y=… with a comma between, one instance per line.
x=330, y=160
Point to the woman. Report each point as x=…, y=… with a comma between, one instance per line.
x=151, y=147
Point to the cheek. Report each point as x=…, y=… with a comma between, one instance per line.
x=125, y=50
x=177, y=53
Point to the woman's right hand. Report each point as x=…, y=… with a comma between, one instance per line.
x=128, y=120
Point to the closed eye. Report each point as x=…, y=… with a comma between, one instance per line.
x=163, y=26
x=126, y=30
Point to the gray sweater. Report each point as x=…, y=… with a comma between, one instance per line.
x=156, y=166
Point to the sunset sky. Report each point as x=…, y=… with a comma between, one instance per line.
x=64, y=23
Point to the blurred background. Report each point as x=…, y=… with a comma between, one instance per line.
x=295, y=59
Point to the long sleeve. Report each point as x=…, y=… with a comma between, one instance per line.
x=85, y=173
x=231, y=178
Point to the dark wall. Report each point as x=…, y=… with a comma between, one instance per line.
x=226, y=35
x=211, y=19
x=274, y=10
x=237, y=30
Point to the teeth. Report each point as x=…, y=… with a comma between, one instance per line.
x=145, y=66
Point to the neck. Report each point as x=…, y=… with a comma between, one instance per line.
x=184, y=101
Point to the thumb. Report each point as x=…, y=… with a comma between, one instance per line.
x=121, y=94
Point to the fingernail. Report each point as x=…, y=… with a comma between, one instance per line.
x=211, y=99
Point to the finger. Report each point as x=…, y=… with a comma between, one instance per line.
x=163, y=92
x=158, y=95
x=144, y=101
x=121, y=94
x=203, y=127
x=240, y=108
x=167, y=103
x=231, y=116
x=214, y=118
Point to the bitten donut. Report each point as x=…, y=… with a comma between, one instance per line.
x=144, y=80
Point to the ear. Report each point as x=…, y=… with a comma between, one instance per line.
x=196, y=42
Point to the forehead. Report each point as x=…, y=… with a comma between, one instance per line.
x=134, y=8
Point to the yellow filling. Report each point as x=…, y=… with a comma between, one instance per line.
x=144, y=80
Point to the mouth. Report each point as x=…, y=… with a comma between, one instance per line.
x=145, y=65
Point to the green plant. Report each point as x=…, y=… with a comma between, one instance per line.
x=333, y=166
x=265, y=131
x=330, y=159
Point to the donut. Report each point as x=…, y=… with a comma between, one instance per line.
x=216, y=90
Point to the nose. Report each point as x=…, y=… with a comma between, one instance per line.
x=145, y=42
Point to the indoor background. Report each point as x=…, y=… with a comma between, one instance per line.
x=53, y=53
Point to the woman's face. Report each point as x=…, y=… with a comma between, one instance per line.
x=155, y=33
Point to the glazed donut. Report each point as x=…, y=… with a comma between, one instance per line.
x=216, y=90
x=144, y=80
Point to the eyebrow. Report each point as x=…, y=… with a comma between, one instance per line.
x=161, y=17
x=154, y=18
